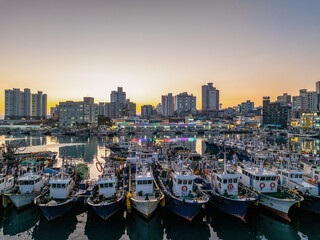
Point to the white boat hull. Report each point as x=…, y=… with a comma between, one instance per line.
x=278, y=206
x=145, y=208
x=23, y=199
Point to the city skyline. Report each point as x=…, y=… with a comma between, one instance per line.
x=77, y=49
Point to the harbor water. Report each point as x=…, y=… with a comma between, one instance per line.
x=82, y=223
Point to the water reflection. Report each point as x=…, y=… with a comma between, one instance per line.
x=139, y=228
x=112, y=228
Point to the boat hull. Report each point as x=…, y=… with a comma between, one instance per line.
x=145, y=208
x=234, y=207
x=53, y=211
x=278, y=206
x=187, y=210
x=22, y=200
x=311, y=204
x=106, y=210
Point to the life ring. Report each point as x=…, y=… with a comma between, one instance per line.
x=315, y=177
x=6, y=179
x=230, y=186
x=109, y=171
x=205, y=172
x=100, y=169
x=262, y=185
x=272, y=185
x=219, y=184
x=153, y=159
x=184, y=188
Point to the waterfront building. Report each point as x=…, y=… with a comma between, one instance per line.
x=167, y=103
x=275, y=113
x=318, y=87
x=76, y=114
x=159, y=109
x=54, y=112
x=146, y=111
x=118, y=96
x=185, y=104
x=285, y=98
x=306, y=102
x=24, y=105
x=210, y=99
x=246, y=107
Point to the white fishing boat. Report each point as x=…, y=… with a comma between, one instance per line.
x=29, y=187
x=275, y=198
x=146, y=194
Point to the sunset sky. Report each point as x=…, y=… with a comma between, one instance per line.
x=71, y=49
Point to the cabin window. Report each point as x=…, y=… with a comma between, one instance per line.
x=273, y=178
x=292, y=175
x=230, y=180
x=300, y=175
x=139, y=182
x=58, y=185
x=54, y=185
x=2, y=180
x=63, y=186
x=296, y=176
x=257, y=178
x=185, y=182
x=149, y=181
x=179, y=181
x=110, y=184
x=190, y=182
x=225, y=181
x=235, y=180
x=263, y=178
x=268, y=178
x=145, y=181
x=101, y=185
x=316, y=172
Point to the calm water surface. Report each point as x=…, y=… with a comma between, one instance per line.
x=82, y=223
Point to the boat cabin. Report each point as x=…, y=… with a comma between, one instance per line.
x=6, y=182
x=30, y=182
x=315, y=174
x=226, y=183
x=182, y=182
x=144, y=181
x=290, y=175
x=60, y=188
x=107, y=183
x=260, y=179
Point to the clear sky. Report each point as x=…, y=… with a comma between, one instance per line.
x=75, y=48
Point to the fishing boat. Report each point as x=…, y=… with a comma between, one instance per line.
x=226, y=193
x=294, y=178
x=108, y=196
x=146, y=194
x=59, y=199
x=29, y=185
x=182, y=196
x=277, y=199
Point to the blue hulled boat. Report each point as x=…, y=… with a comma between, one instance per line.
x=182, y=196
x=59, y=199
x=227, y=194
x=109, y=195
